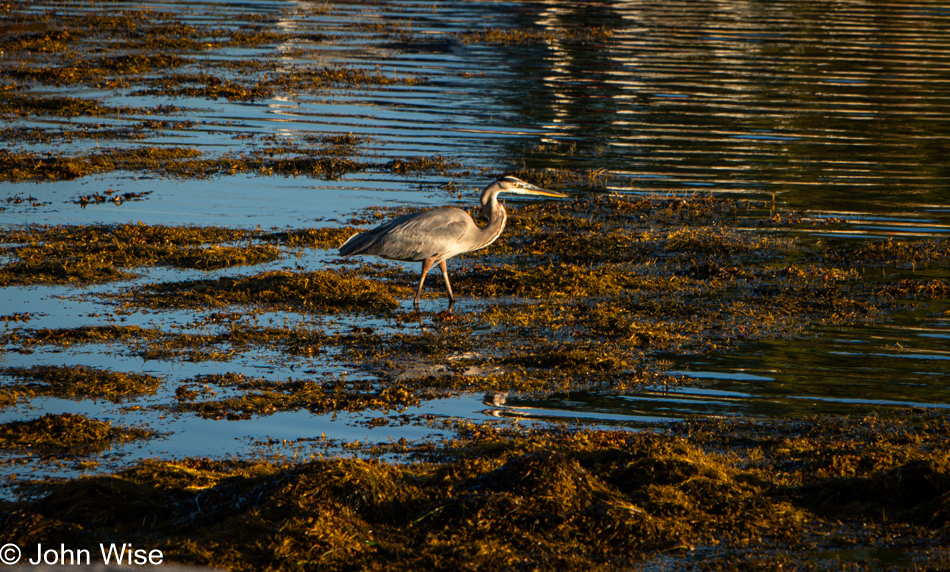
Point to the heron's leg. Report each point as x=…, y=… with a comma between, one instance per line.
x=426, y=266
x=445, y=274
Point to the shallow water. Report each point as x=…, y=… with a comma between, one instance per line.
x=836, y=110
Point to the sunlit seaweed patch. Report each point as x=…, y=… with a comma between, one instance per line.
x=209, y=86
x=558, y=178
x=550, y=281
x=15, y=104
x=256, y=396
x=153, y=343
x=24, y=105
x=908, y=288
x=347, y=143
x=756, y=494
x=647, y=308
x=900, y=253
x=317, y=291
x=528, y=36
x=82, y=335
x=99, y=253
x=289, y=161
x=64, y=32
x=111, y=197
x=325, y=238
x=66, y=434
x=29, y=166
x=415, y=165
x=73, y=382
x=96, y=71
x=48, y=136
x=17, y=317
x=237, y=333
x=613, y=229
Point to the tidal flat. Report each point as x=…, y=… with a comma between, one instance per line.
x=132, y=340
x=660, y=275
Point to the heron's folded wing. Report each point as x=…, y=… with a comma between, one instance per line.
x=415, y=236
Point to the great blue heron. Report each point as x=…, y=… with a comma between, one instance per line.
x=434, y=236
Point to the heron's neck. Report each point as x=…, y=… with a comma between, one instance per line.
x=495, y=213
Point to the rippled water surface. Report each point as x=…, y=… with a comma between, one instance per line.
x=833, y=109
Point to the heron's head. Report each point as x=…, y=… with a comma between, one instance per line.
x=509, y=184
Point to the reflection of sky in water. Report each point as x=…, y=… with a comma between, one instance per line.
x=683, y=98
x=236, y=201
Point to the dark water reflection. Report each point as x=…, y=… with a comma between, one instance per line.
x=834, y=108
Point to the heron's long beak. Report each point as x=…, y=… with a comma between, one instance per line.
x=529, y=189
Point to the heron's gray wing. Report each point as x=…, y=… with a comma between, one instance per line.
x=414, y=236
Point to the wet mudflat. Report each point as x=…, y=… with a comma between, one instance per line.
x=217, y=384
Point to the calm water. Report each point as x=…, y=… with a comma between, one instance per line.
x=832, y=108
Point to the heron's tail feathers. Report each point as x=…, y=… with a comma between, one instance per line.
x=354, y=244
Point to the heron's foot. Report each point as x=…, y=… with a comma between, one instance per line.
x=451, y=304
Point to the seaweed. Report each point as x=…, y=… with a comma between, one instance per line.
x=559, y=498
x=75, y=381
x=66, y=434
